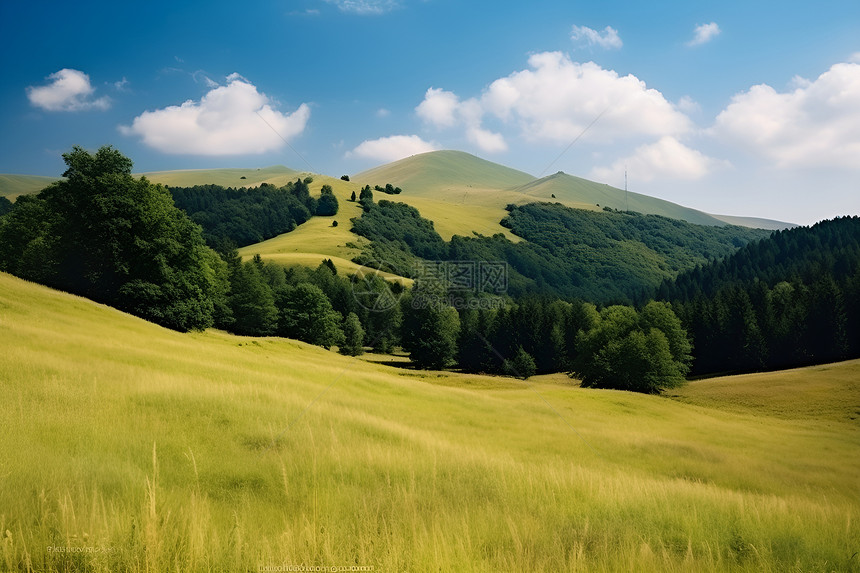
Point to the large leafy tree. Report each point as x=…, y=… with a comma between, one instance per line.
x=327, y=203
x=107, y=235
x=628, y=350
x=252, y=302
x=306, y=314
x=429, y=331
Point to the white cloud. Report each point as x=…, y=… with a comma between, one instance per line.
x=555, y=101
x=234, y=119
x=815, y=124
x=689, y=105
x=69, y=90
x=609, y=39
x=443, y=109
x=439, y=108
x=558, y=98
x=668, y=158
x=704, y=33
x=121, y=85
x=392, y=148
x=487, y=141
x=854, y=58
x=383, y=112
x=365, y=7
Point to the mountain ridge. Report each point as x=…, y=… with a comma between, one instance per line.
x=436, y=180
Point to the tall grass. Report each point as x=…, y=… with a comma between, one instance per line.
x=126, y=447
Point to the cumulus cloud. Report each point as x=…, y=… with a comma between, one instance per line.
x=557, y=99
x=486, y=140
x=69, y=90
x=443, y=109
x=392, y=148
x=689, y=105
x=704, y=33
x=608, y=39
x=234, y=119
x=439, y=108
x=365, y=7
x=813, y=124
x=668, y=158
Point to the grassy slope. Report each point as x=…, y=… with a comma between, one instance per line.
x=571, y=190
x=459, y=192
x=755, y=222
x=480, y=189
x=276, y=175
x=11, y=186
x=204, y=451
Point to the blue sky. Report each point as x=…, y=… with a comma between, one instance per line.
x=745, y=108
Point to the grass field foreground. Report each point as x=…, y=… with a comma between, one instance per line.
x=127, y=447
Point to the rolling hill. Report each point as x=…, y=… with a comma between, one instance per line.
x=11, y=186
x=438, y=178
x=126, y=446
x=461, y=193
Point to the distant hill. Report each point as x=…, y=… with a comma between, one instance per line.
x=576, y=190
x=435, y=180
x=756, y=222
x=274, y=175
x=440, y=171
x=11, y=186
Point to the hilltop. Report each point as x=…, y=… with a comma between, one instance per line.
x=434, y=181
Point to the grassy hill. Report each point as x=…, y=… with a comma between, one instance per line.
x=755, y=222
x=11, y=186
x=578, y=192
x=434, y=181
x=125, y=446
x=275, y=175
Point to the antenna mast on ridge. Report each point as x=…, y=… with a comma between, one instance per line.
x=626, y=195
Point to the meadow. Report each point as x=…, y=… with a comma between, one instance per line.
x=128, y=447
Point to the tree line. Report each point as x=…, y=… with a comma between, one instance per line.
x=570, y=253
x=232, y=217
x=789, y=300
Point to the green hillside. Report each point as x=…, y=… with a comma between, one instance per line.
x=571, y=190
x=12, y=185
x=462, y=193
x=440, y=171
x=128, y=447
x=276, y=175
x=755, y=222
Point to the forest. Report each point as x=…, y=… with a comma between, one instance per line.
x=785, y=300
x=601, y=257
x=233, y=217
x=789, y=300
